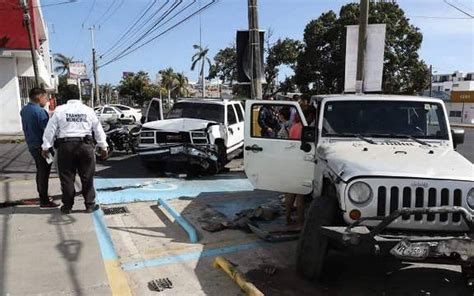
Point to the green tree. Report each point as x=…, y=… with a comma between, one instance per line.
x=181, y=85
x=322, y=61
x=201, y=56
x=168, y=81
x=138, y=86
x=225, y=65
x=282, y=52
x=62, y=64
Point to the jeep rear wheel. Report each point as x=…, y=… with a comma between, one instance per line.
x=313, y=245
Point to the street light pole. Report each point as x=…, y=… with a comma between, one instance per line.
x=362, y=44
x=27, y=23
x=94, y=67
x=431, y=78
x=254, y=41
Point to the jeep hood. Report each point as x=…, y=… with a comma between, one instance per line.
x=178, y=124
x=351, y=159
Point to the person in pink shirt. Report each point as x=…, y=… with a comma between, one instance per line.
x=296, y=129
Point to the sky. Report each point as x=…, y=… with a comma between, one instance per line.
x=448, y=34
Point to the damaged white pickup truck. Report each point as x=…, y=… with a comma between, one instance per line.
x=384, y=175
x=197, y=134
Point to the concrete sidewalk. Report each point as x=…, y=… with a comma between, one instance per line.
x=41, y=251
x=44, y=252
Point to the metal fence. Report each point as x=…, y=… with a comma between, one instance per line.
x=26, y=83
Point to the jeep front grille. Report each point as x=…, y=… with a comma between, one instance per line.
x=390, y=199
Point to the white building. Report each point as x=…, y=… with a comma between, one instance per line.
x=456, y=81
x=16, y=66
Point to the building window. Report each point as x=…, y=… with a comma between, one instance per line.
x=26, y=83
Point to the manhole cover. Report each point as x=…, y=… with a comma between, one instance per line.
x=115, y=211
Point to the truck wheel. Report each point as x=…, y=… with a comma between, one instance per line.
x=313, y=245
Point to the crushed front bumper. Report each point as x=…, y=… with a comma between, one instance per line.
x=455, y=248
x=204, y=156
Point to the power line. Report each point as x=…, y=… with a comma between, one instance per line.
x=113, y=12
x=89, y=13
x=439, y=17
x=122, y=38
x=152, y=28
x=459, y=9
x=162, y=33
x=140, y=16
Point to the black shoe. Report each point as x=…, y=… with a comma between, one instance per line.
x=65, y=210
x=48, y=205
x=93, y=208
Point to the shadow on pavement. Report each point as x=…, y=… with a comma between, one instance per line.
x=68, y=249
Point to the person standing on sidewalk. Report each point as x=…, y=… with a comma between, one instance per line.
x=73, y=125
x=34, y=120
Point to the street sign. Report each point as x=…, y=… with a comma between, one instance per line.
x=77, y=70
x=373, y=63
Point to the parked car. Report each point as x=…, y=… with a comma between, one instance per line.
x=135, y=113
x=384, y=175
x=112, y=114
x=203, y=133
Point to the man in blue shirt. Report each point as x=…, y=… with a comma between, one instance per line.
x=34, y=120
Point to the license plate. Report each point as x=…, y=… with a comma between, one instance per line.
x=407, y=250
x=176, y=150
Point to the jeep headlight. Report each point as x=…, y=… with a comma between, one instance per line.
x=360, y=192
x=470, y=198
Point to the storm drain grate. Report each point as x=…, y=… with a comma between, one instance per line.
x=115, y=211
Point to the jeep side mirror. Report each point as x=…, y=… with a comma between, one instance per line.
x=458, y=136
x=308, y=135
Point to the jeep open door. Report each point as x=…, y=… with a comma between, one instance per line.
x=154, y=111
x=274, y=161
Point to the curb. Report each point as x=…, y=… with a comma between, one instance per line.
x=193, y=238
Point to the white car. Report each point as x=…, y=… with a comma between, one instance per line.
x=206, y=133
x=134, y=113
x=384, y=176
x=111, y=114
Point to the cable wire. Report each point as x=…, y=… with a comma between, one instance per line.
x=138, y=19
x=122, y=40
x=162, y=33
x=153, y=26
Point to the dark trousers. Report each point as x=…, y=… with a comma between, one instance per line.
x=76, y=157
x=43, y=170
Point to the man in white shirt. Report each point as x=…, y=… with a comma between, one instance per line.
x=72, y=126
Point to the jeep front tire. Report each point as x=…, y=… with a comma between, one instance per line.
x=313, y=245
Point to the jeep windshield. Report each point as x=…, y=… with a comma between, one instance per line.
x=387, y=119
x=205, y=111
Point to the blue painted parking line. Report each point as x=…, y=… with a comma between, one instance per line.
x=105, y=242
x=111, y=191
x=192, y=233
x=165, y=260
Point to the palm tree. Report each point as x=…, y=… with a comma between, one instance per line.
x=181, y=86
x=168, y=81
x=62, y=63
x=201, y=56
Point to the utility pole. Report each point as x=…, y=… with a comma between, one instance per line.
x=94, y=67
x=27, y=23
x=431, y=78
x=362, y=44
x=254, y=42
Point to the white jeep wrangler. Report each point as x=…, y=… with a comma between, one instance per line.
x=384, y=175
x=198, y=133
